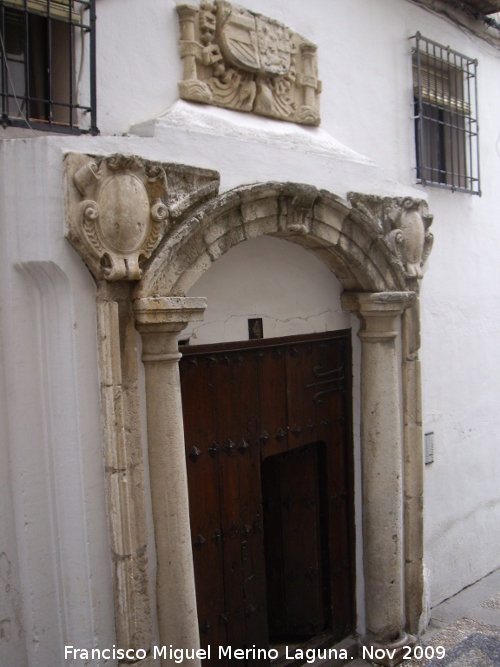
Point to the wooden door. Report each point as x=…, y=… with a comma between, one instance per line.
x=293, y=495
x=257, y=413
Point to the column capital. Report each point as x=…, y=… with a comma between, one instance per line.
x=168, y=313
x=366, y=303
x=160, y=319
x=378, y=312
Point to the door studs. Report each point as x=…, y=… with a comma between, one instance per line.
x=213, y=449
x=243, y=446
x=194, y=454
x=199, y=541
x=229, y=447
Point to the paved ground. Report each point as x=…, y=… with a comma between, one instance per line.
x=467, y=626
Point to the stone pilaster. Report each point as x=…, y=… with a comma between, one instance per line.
x=160, y=320
x=413, y=469
x=382, y=469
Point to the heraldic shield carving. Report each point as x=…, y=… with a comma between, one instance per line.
x=241, y=60
x=116, y=213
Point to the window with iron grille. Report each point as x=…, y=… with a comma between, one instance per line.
x=446, y=127
x=47, y=59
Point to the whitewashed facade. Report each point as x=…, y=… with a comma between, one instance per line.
x=57, y=581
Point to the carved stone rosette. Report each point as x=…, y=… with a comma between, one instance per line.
x=241, y=60
x=121, y=215
x=404, y=223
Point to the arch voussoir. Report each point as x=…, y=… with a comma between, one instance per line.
x=348, y=238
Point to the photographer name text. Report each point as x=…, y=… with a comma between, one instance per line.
x=180, y=655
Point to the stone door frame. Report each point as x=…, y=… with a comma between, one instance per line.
x=375, y=246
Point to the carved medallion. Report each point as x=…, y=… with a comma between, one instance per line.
x=118, y=208
x=124, y=221
x=241, y=60
x=121, y=215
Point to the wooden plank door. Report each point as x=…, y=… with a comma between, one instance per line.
x=293, y=507
x=221, y=415
x=318, y=404
x=252, y=413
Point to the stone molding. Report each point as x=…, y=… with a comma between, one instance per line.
x=124, y=466
x=238, y=59
x=165, y=311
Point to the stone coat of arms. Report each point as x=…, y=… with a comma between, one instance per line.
x=241, y=60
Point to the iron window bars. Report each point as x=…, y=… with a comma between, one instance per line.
x=446, y=126
x=43, y=43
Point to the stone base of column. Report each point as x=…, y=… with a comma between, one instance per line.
x=387, y=654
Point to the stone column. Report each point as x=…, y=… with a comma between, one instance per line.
x=187, y=15
x=159, y=321
x=309, y=80
x=382, y=471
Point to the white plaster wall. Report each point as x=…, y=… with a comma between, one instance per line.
x=461, y=329
x=53, y=502
x=285, y=285
x=55, y=546
x=460, y=333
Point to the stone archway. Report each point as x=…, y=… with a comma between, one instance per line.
x=340, y=235
x=375, y=246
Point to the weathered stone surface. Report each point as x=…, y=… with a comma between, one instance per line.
x=124, y=468
x=357, y=235
x=405, y=223
x=226, y=242
x=260, y=227
x=374, y=245
x=382, y=471
x=118, y=208
x=191, y=274
x=242, y=60
x=413, y=467
x=188, y=187
x=262, y=208
x=159, y=321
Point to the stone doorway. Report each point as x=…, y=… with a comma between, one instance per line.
x=269, y=462
x=376, y=246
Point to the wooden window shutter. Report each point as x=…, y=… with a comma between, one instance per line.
x=440, y=84
x=59, y=9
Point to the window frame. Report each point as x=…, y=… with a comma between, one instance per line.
x=445, y=117
x=54, y=16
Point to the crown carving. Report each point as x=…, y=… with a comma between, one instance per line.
x=242, y=60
